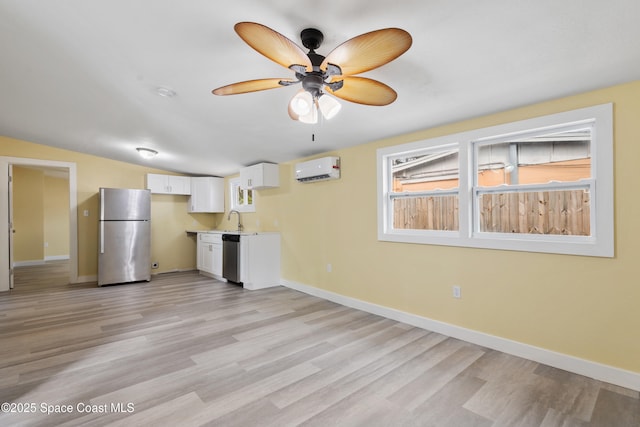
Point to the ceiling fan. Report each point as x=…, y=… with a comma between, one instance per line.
x=334, y=74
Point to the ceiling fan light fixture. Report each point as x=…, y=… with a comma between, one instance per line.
x=302, y=103
x=335, y=72
x=329, y=106
x=146, y=153
x=311, y=117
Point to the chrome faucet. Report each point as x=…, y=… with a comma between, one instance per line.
x=239, y=222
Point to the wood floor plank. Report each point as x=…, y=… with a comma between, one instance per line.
x=430, y=382
x=189, y=350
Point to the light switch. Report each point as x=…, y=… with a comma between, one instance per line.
x=86, y=212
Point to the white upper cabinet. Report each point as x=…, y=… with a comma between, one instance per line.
x=168, y=184
x=207, y=194
x=262, y=175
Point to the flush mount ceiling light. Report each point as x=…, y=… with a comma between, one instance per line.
x=165, y=92
x=320, y=75
x=146, y=153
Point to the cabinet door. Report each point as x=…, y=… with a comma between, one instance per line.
x=168, y=184
x=158, y=184
x=217, y=260
x=247, y=177
x=262, y=175
x=179, y=185
x=203, y=249
x=207, y=258
x=209, y=249
x=207, y=194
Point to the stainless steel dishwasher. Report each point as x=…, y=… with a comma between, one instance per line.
x=231, y=257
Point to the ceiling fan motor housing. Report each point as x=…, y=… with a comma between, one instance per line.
x=311, y=38
x=313, y=83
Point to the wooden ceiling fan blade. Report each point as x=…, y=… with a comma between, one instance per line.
x=362, y=90
x=251, y=86
x=368, y=51
x=272, y=44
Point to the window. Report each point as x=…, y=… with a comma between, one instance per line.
x=424, y=193
x=540, y=185
x=241, y=198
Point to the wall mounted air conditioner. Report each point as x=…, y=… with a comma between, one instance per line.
x=318, y=169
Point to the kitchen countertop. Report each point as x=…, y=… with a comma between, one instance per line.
x=242, y=233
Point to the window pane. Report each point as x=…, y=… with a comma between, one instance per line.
x=426, y=213
x=435, y=170
x=542, y=212
x=240, y=196
x=562, y=157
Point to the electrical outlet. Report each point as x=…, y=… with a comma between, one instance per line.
x=329, y=268
x=457, y=292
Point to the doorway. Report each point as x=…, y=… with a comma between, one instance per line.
x=7, y=252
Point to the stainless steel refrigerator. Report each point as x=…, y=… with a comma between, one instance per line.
x=124, y=243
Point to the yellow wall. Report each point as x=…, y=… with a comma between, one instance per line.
x=56, y=216
x=581, y=306
x=28, y=214
x=171, y=247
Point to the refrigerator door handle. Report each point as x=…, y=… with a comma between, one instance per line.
x=102, y=204
x=101, y=237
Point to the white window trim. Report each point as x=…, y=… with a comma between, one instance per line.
x=234, y=184
x=600, y=243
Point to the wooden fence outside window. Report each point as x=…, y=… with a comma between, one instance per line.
x=564, y=212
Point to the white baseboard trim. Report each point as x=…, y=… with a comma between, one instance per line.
x=56, y=257
x=174, y=270
x=28, y=263
x=94, y=278
x=598, y=371
x=87, y=279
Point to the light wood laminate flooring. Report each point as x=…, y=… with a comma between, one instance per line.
x=187, y=350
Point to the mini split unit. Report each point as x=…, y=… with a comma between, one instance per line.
x=318, y=169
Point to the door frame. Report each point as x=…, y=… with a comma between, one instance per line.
x=5, y=268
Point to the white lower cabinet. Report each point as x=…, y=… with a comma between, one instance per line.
x=209, y=257
x=260, y=260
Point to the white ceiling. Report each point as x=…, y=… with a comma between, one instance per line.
x=83, y=75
